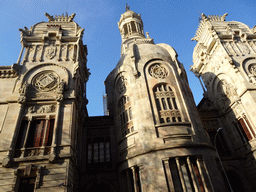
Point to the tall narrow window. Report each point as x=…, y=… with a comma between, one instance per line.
x=166, y=104
x=125, y=111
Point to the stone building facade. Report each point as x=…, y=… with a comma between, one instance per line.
x=224, y=58
x=42, y=104
x=153, y=138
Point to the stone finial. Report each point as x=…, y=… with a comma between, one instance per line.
x=127, y=7
x=147, y=33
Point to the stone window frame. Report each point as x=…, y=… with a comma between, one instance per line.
x=43, y=149
x=28, y=171
x=125, y=116
x=166, y=103
x=245, y=129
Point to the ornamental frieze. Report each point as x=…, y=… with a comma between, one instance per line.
x=38, y=109
x=170, y=113
x=164, y=94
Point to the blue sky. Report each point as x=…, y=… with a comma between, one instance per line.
x=170, y=22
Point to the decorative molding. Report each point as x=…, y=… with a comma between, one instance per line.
x=8, y=71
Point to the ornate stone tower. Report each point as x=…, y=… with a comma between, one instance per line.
x=41, y=101
x=161, y=142
x=224, y=58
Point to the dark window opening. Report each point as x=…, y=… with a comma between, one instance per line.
x=27, y=184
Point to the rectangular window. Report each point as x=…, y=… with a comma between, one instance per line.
x=34, y=134
x=98, y=152
x=245, y=128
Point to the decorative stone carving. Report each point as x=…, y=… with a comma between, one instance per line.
x=61, y=86
x=121, y=84
x=158, y=71
x=252, y=73
x=23, y=90
x=41, y=109
x=8, y=72
x=32, y=152
x=170, y=113
x=243, y=48
x=46, y=81
x=60, y=18
x=16, y=68
x=50, y=51
x=252, y=69
x=59, y=97
x=22, y=99
x=225, y=90
x=164, y=94
x=60, y=90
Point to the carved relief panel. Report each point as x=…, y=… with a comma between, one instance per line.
x=50, y=52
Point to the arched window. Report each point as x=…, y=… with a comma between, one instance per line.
x=125, y=115
x=166, y=104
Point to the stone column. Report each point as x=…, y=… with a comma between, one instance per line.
x=168, y=174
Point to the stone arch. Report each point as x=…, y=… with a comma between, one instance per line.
x=60, y=70
x=45, y=80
